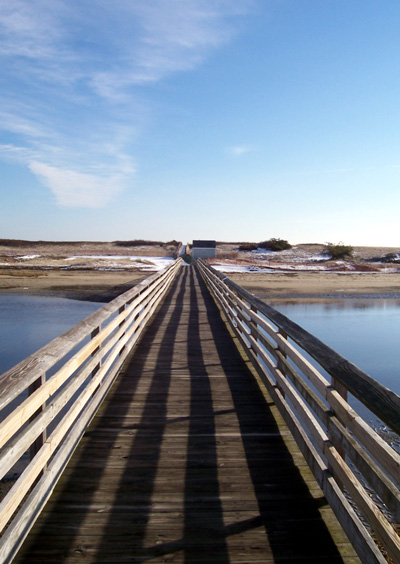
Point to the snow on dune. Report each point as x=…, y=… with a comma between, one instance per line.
x=151, y=264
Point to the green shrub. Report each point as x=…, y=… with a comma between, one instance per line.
x=339, y=251
x=275, y=245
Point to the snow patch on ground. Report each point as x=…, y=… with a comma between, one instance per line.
x=239, y=268
x=339, y=267
x=111, y=262
x=293, y=255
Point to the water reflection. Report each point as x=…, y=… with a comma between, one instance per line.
x=337, y=304
x=29, y=322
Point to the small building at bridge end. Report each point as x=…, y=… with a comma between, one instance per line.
x=204, y=249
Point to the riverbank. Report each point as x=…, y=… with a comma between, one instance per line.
x=102, y=286
x=87, y=285
x=319, y=285
x=102, y=271
x=91, y=271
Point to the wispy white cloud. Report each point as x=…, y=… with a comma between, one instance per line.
x=239, y=150
x=75, y=189
x=170, y=37
x=29, y=29
x=71, y=74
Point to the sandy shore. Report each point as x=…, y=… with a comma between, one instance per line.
x=92, y=271
x=97, y=286
x=101, y=271
x=104, y=285
x=319, y=285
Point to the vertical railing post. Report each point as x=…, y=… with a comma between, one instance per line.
x=340, y=388
x=335, y=436
x=39, y=441
x=253, y=324
x=280, y=364
x=120, y=310
x=93, y=334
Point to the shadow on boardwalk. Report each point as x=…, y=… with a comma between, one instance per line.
x=184, y=462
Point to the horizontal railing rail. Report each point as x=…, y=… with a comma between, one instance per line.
x=358, y=472
x=48, y=400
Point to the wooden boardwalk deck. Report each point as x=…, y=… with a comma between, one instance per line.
x=186, y=461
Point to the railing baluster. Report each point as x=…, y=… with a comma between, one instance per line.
x=39, y=441
x=281, y=365
x=121, y=310
x=94, y=334
x=336, y=437
x=317, y=412
x=73, y=393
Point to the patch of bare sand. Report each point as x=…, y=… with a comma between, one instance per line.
x=319, y=285
x=94, y=271
x=90, y=285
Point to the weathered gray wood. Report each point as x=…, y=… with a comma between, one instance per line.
x=40, y=438
x=184, y=461
x=114, y=340
x=381, y=401
x=20, y=377
x=369, y=438
x=325, y=422
x=358, y=535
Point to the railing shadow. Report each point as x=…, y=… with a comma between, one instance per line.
x=202, y=536
x=288, y=511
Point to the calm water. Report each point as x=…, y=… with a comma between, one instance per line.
x=366, y=332
x=29, y=322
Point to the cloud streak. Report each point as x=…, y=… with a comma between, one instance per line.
x=239, y=150
x=72, y=72
x=75, y=189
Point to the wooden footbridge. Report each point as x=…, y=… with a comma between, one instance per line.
x=186, y=421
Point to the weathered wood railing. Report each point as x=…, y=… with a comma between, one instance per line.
x=358, y=472
x=48, y=400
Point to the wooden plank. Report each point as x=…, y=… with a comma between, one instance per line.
x=389, y=459
x=381, y=401
x=20, y=377
x=26, y=516
x=185, y=461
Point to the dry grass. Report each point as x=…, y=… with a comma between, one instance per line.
x=54, y=254
x=301, y=251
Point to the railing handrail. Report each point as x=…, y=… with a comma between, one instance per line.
x=348, y=458
x=63, y=403
x=20, y=376
x=384, y=403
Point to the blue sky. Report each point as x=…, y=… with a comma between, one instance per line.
x=235, y=120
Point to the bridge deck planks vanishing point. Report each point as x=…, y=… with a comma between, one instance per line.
x=187, y=460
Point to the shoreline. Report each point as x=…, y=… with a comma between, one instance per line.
x=104, y=285
x=325, y=286
x=88, y=285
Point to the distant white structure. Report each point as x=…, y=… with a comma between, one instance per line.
x=204, y=249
